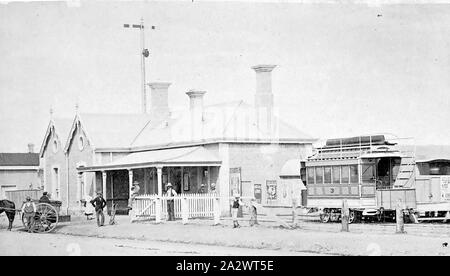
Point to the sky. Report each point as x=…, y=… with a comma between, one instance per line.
x=342, y=69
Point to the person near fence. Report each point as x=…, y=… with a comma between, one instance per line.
x=44, y=198
x=235, y=208
x=134, y=193
x=29, y=211
x=253, y=212
x=99, y=203
x=170, y=202
x=88, y=209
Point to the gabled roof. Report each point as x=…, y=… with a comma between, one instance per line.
x=233, y=121
x=61, y=127
x=109, y=130
x=19, y=159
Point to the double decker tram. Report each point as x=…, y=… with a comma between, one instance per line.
x=370, y=172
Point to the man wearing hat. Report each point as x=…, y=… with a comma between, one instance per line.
x=235, y=208
x=44, y=198
x=170, y=202
x=134, y=193
x=99, y=203
x=29, y=211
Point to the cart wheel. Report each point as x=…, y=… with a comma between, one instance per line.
x=325, y=217
x=46, y=218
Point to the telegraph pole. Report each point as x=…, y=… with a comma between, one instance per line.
x=144, y=54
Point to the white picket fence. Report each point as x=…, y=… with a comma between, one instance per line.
x=186, y=206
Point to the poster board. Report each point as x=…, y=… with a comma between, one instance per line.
x=235, y=181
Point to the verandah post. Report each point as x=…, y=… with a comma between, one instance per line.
x=184, y=210
x=216, y=210
x=158, y=210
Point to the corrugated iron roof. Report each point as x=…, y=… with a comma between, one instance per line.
x=19, y=159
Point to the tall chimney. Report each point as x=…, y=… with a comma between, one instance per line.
x=196, y=111
x=30, y=148
x=159, y=100
x=264, y=97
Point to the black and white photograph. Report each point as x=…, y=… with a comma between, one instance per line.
x=251, y=129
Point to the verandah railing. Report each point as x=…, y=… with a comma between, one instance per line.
x=186, y=206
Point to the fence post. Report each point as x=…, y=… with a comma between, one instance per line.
x=400, y=226
x=344, y=216
x=294, y=206
x=216, y=209
x=158, y=210
x=184, y=210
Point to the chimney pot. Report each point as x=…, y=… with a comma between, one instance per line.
x=30, y=148
x=159, y=100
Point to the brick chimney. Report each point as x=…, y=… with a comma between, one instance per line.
x=159, y=100
x=30, y=148
x=264, y=97
x=196, y=112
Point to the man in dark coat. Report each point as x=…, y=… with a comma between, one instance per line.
x=44, y=198
x=99, y=203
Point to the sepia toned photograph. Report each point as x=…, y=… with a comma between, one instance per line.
x=251, y=129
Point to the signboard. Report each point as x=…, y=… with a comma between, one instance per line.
x=235, y=181
x=258, y=193
x=271, y=189
x=445, y=187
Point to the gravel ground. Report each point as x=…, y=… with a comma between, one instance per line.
x=303, y=240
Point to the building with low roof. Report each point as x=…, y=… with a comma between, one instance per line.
x=19, y=171
x=226, y=148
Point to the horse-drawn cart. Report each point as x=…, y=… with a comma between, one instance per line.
x=46, y=217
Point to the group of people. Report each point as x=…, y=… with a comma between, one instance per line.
x=237, y=203
x=29, y=210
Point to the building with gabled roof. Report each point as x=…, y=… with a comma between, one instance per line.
x=226, y=147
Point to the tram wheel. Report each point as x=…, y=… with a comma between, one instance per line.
x=380, y=215
x=352, y=217
x=325, y=217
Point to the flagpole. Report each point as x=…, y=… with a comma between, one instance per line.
x=144, y=94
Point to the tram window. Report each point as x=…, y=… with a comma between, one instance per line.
x=368, y=173
x=336, y=175
x=345, y=175
x=327, y=175
x=310, y=175
x=354, y=174
x=319, y=175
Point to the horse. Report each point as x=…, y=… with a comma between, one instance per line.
x=10, y=209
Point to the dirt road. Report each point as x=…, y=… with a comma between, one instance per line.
x=25, y=244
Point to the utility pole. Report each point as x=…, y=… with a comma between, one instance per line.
x=144, y=54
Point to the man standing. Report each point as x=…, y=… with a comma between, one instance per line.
x=29, y=211
x=99, y=203
x=170, y=202
x=134, y=193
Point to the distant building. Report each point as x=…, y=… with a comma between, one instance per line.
x=228, y=147
x=19, y=171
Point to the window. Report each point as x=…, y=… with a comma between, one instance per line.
x=336, y=174
x=319, y=175
x=345, y=173
x=80, y=142
x=55, y=146
x=354, y=174
x=310, y=175
x=368, y=173
x=327, y=175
